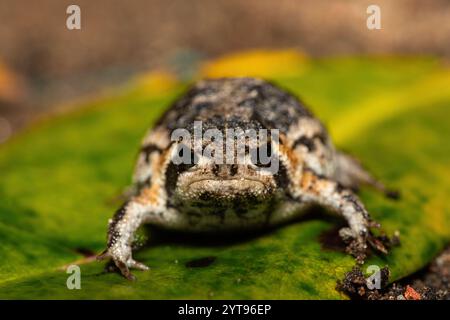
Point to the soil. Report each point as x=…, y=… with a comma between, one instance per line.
x=431, y=283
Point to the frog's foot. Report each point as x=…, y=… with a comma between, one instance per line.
x=356, y=243
x=360, y=242
x=358, y=235
x=125, y=267
x=122, y=228
x=123, y=261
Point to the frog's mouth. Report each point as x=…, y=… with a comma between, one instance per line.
x=224, y=190
x=225, y=180
x=228, y=185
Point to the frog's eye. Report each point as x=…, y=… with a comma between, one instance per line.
x=262, y=156
x=184, y=158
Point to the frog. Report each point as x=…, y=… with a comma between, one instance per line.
x=242, y=194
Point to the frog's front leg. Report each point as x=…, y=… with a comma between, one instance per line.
x=121, y=230
x=326, y=192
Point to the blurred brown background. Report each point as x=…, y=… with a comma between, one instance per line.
x=42, y=63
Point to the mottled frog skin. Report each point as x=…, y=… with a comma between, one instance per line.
x=209, y=197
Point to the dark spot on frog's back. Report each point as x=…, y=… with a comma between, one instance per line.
x=147, y=150
x=201, y=262
x=275, y=107
x=201, y=106
x=307, y=142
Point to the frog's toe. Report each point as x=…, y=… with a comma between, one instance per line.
x=350, y=235
x=124, y=270
x=137, y=265
x=377, y=244
x=130, y=264
x=102, y=256
x=123, y=261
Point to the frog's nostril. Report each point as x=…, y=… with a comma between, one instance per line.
x=225, y=170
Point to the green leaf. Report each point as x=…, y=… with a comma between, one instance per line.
x=59, y=180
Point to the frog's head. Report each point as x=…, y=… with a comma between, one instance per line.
x=216, y=166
